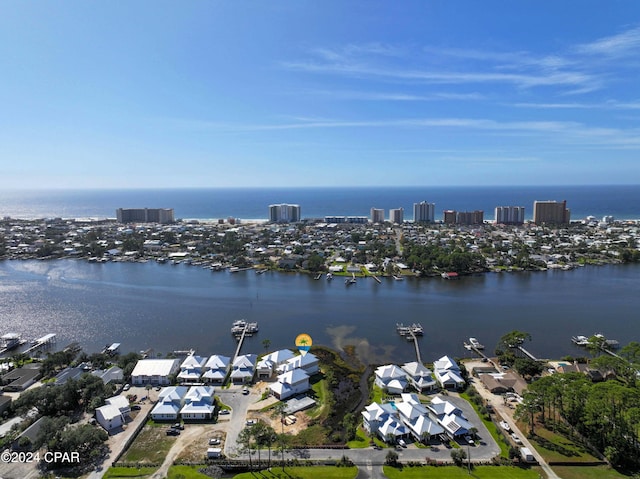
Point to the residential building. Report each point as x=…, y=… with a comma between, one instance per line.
x=112, y=375
x=551, y=212
x=424, y=212
x=377, y=215
x=110, y=417
x=145, y=215
x=309, y=363
x=268, y=364
x=154, y=371
x=470, y=217
x=243, y=369
x=121, y=402
x=415, y=417
x=391, y=378
x=450, y=417
x=509, y=215
x=284, y=213
x=447, y=373
x=420, y=377
x=170, y=401
x=396, y=215
x=191, y=368
x=449, y=217
x=346, y=219
x=290, y=383
x=383, y=420
x=215, y=369
x=198, y=403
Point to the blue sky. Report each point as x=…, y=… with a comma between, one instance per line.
x=301, y=93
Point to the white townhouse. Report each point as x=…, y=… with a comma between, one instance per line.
x=169, y=403
x=420, y=377
x=391, y=378
x=109, y=417
x=290, y=383
x=415, y=416
x=450, y=417
x=309, y=363
x=191, y=368
x=154, y=371
x=270, y=362
x=375, y=415
x=243, y=369
x=448, y=373
x=215, y=369
x=198, y=403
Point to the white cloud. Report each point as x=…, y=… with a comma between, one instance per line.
x=622, y=44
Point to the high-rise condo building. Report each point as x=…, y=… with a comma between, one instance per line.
x=449, y=217
x=377, y=215
x=396, y=215
x=284, y=213
x=424, y=212
x=470, y=217
x=509, y=215
x=552, y=212
x=145, y=215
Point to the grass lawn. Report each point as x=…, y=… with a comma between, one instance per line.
x=377, y=394
x=324, y=472
x=362, y=440
x=587, y=472
x=453, y=472
x=116, y=472
x=186, y=472
x=151, y=446
x=321, y=389
x=555, y=447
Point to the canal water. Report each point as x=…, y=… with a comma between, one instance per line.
x=176, y=307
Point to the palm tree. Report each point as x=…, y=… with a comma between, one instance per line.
x=280, y=409
x=266, y=343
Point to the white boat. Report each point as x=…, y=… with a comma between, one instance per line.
x=475, y=343
x=505, y=425
x=580, y=340
x=329, y=276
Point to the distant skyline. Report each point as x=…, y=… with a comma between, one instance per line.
x=307, y=93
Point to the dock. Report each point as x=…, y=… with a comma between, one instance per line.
x=376, y=278
x=415, y=343
x=526, y=353
x=41, y=343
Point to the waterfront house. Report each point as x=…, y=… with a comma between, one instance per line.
x=290, y=383
x=110, y=417
x=309, y=363
x=191, y=368
x=20, y=378
x=154, y=371
x=375, y=415
x=198, y=403
x=270, y=362
x=447, y=373
x=243, y=369
x=215, y=369
x=391, y=378
x=420, y=377
x=170, y=401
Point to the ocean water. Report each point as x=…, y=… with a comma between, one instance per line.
x=620, y=201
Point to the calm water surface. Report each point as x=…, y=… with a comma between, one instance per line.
x=167, y=307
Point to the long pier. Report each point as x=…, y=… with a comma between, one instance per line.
x=415, y=342
x=240, y=341
x=527, y=353
x=43, y=342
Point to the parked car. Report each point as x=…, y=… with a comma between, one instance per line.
x=516, y=439
x=177, y=426
x=135, y=407
x=251, y=422
x=214, y=441
x=126, y=387
x=224, y=412
x=245, y=391
x=402, y=443
x=172, y=432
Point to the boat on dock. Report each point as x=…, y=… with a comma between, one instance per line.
x=449, y=275
x=329, y=276
x=414, y=329
x=397, y=278
x=580, y=340
x=111, y=349
x=240, y=327
x=475, y=344
x=350, y=281
x=10, y=341
x=318, y=276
